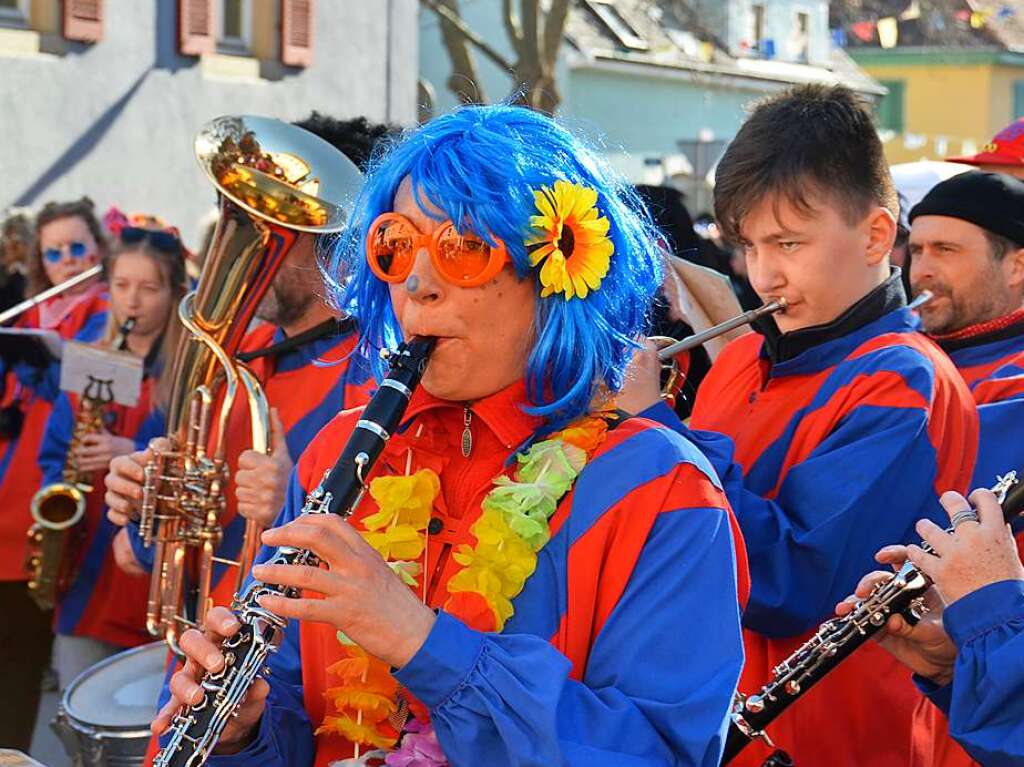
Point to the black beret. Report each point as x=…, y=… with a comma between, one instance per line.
x=992, y=201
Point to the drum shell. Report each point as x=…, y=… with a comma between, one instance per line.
x=99, y=744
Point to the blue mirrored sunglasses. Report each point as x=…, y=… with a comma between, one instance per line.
x=158, y=238
x=76, y=249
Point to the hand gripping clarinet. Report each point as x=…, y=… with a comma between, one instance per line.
x=195, y=730
x=836, y=639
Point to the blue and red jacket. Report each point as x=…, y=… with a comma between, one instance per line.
x=985, y=700
x=625, y=644
x=990, y=357
x=832, y=442
x=308, y=384
x=32, y=392
x=102, y=602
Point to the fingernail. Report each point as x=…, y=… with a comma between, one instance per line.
x=233, y=625
x=212, y=660
x=197, y=696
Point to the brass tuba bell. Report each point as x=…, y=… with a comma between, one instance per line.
x=275, y=182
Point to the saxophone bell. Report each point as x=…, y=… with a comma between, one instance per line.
x=58, y=509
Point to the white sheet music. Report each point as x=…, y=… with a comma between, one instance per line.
x=118, y=373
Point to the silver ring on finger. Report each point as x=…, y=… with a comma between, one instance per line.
x=967, y=515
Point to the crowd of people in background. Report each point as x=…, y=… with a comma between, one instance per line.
x=841, y=434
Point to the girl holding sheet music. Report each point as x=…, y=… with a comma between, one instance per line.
x=103, y=609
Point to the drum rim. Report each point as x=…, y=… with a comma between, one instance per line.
x=104, y=730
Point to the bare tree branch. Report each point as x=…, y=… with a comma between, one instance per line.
x=554, y=31
x=453, y=18
x=464, y=81
x=512, y=29
x=529, y=11
x=534, y=35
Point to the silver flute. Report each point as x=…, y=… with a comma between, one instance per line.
x=836, y=639
x=195, y=730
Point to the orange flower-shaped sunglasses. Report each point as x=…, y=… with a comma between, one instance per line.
x=461, y=259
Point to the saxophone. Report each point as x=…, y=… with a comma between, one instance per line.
x=836, y=639
x=195, y=730
x=274, y=182
x=59, y=508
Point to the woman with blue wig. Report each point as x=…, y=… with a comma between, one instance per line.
x=531, y=579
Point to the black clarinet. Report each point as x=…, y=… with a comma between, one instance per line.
x=195, y=730
x=836, y=639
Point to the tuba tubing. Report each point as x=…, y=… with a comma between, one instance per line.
x=275, y=182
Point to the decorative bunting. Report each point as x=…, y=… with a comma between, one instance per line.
x=913, y=11
x=888, y=32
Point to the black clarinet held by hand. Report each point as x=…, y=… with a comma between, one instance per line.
x=195, y=730
x=836, y=639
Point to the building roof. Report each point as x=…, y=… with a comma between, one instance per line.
x=993, y=25
x=671, y=36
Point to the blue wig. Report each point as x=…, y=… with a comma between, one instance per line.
x=481, y=165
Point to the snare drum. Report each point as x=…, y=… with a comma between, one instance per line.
x=104, y=715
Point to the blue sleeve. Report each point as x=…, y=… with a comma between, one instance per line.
x=45, y=381
x=941, y=696
x=93, y=328
x=144, y=555
x=717, y=448
x=986, y=712
x=1000, y=448
x=153, y=426
x=809, y=546
x=661, y=413
x=56, y=440
x=285, y=736
x=508, y=699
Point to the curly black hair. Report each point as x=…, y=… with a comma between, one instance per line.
x=355, y=138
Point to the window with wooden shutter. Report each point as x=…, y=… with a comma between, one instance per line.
x=297, y=32
x=195, y=27
x=83, y=20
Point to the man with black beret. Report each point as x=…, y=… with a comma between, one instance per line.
x=967, y=248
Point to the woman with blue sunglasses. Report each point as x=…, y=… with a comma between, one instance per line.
x=69, y=240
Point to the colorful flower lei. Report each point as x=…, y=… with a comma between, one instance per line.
x=511, y=530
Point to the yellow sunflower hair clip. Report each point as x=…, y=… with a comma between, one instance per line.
x=570, y=239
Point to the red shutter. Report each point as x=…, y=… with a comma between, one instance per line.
x=83, y=20
x=195, y=27
x=297, y=32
